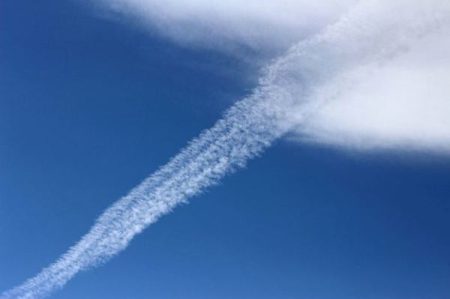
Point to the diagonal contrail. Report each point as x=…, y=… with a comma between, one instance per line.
x=244, y=132
x=246, y=129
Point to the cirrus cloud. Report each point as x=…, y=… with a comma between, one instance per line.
x=390, y=101
x=223, y=25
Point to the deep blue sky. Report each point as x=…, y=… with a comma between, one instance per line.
x=90, y=106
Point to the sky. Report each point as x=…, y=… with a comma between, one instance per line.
x=352, y=203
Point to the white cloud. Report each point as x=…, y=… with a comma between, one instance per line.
x=377, y=78
x=403, y=104
x=389, y=86
x=262, y=24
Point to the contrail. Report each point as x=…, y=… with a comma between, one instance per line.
x=292, y=82
x=244, y=132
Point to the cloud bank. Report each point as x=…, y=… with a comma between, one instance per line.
x=224, y=25
x=392, y=102
x=397, y=100
x=332, y=87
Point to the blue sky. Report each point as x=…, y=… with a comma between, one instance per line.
x=91, y=105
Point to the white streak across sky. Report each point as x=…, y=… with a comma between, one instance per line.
x=243, y=133
x=291, y=91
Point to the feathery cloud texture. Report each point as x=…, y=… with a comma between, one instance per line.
x=392, y=102
x=395, y=101
x=260, y=24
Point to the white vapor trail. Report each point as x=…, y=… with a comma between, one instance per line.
x=295, y=84
x=245, y=131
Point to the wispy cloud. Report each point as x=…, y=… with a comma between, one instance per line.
x=328, y=87
x=223, y=25
x=387, y=102
x=393, y=90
